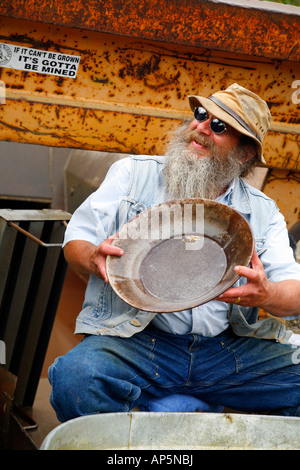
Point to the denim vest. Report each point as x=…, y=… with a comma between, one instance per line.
x=104, y=313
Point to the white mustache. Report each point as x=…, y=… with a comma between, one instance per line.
x=201, y=139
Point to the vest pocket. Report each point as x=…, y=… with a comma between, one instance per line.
x=109, y=304
x=102, y=306
x=117, y=306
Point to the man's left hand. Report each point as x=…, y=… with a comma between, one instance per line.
x=255, y=292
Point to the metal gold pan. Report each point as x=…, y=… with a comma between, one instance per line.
x=179, y=254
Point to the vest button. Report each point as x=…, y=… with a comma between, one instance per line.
x=135, y=323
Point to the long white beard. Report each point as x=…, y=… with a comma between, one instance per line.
x=188, y=176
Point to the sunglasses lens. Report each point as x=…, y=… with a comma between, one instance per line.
x=200, y=114
x=217, y=126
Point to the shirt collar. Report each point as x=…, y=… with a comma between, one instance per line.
x=225, y=197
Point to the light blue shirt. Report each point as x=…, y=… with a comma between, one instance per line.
x=211, y=318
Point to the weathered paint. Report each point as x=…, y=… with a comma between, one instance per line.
x=129, y=94
x=138, y=64
x=283, y=186
x=244, y=27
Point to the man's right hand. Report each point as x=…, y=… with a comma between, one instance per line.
x=98, y=258
x=85, y=257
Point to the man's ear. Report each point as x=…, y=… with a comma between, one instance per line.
x=250, y=152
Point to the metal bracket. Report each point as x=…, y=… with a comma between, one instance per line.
x=32, y=237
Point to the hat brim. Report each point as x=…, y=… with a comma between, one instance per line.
x=219, y=113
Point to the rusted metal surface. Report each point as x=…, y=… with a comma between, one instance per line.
x=247, y=27
x=283, y=186
x=129, y=93
x=137, y=67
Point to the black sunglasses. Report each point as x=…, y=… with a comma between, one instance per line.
x=216, y=125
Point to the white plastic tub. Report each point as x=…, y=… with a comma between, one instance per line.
x=193, y=431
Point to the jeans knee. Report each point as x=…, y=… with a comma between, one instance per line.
x=67, y=379
x=54, y=403
x=79, y=388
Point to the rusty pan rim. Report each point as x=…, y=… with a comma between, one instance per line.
x=133, y=293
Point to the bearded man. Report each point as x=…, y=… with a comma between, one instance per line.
x=206, y=358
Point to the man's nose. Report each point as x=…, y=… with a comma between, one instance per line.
x=204, y=128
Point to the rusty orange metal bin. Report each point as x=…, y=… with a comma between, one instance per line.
x=114, y=76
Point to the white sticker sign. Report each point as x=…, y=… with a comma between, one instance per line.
x=35, y=60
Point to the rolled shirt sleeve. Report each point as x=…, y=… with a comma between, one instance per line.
x=94, y=220
x=278, y=257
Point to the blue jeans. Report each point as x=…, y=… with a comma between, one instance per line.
x=112, y=374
